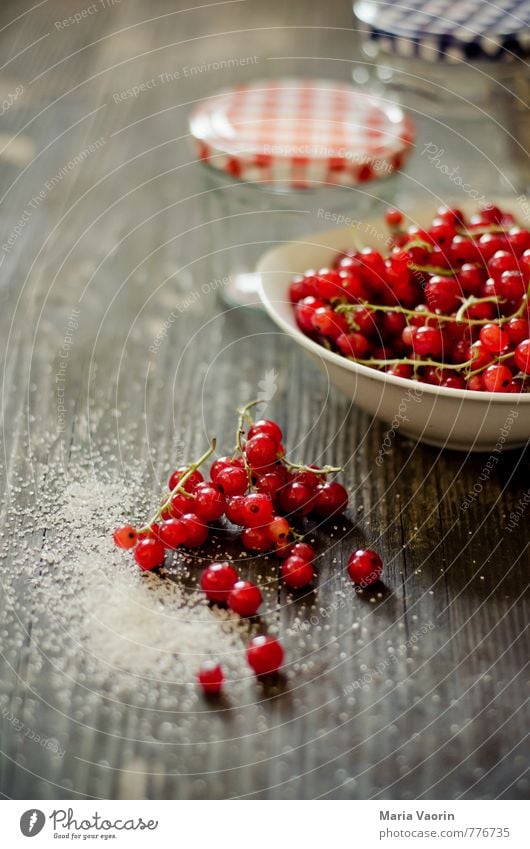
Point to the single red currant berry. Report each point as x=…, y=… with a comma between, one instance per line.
x=210, y=677
x=180, y=505
x=272, y=483
x=268, y=427
x=519, y=240
x=328, y=323
x=209, y=503
x=453, y=381
x=471, y=278
x=518, y=330
x=297, y=498
x=149, y=553
x=496, y=378
x=297, y=572
x=265, y=655
x=256, y=539
x=257, y=510
x=428, y=342
x=331, y=500
x=234, y=509
x=494, y=338
x=279, y=529
x=365, y=567
x=172, y=533
x=196, y=532
x=125, y=537
x=244, y=598
x=400, y=370
x=512, y=285
x=394, y=218
x=304, y=550
x=283, y=549
x=443, y=294
x=218, y=580
x=479, y=355
x=261, y=450
x=310, y=479
x=194, y=479
x=353, y=345
x=328, y=284
x=232, y=480
x=522, y=356
x=474, y=383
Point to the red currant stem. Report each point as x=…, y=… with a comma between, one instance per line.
x=458, y=317
x=471, y=302
x=418, y=243
x=406, y=361
x=245, y=417
x=498, y=359
x=179, y=488
x=432, y=269
x=325, y=470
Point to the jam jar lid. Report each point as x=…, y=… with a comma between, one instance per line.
x=449, y=30
x=301, y=133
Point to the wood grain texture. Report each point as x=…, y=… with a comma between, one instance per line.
x=121, y=238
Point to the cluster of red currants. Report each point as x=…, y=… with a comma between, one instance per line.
x=448, y=307
x=261, y=491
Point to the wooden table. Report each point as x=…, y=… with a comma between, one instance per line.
x=417, y=691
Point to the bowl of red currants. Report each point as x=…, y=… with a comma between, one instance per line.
x=422, y=320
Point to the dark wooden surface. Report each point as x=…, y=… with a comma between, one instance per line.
x=443, y=719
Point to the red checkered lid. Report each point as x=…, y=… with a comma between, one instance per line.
x=301, y=133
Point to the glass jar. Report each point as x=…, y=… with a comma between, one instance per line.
x=457, y=67
x=282, y=159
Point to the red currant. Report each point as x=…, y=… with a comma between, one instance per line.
x=232, y=480
x=194, y=479
x=196, y=532
x=331, y=500
x=244, y=598
x=304, y=550
x=210, y=677
x=394, y=218
x=149, y=553
x=256, y=539
x=125, y=537
x=265, y=655
x=353, y=345
x=365, y=567
x=209, y=503
x=217, y=580
x=522, y=356
x=297, y=572
x=494, y=338
x=297, y=499
x=496, y=378
x=443, y=294
x=172, y=533
x=257, y=510
x=261, y=450
x=234, y=509
x=266, y=426
x=279, y=529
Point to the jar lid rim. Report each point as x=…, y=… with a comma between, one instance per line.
x=301, y=131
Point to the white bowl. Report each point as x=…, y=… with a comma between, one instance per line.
x=446, y=418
